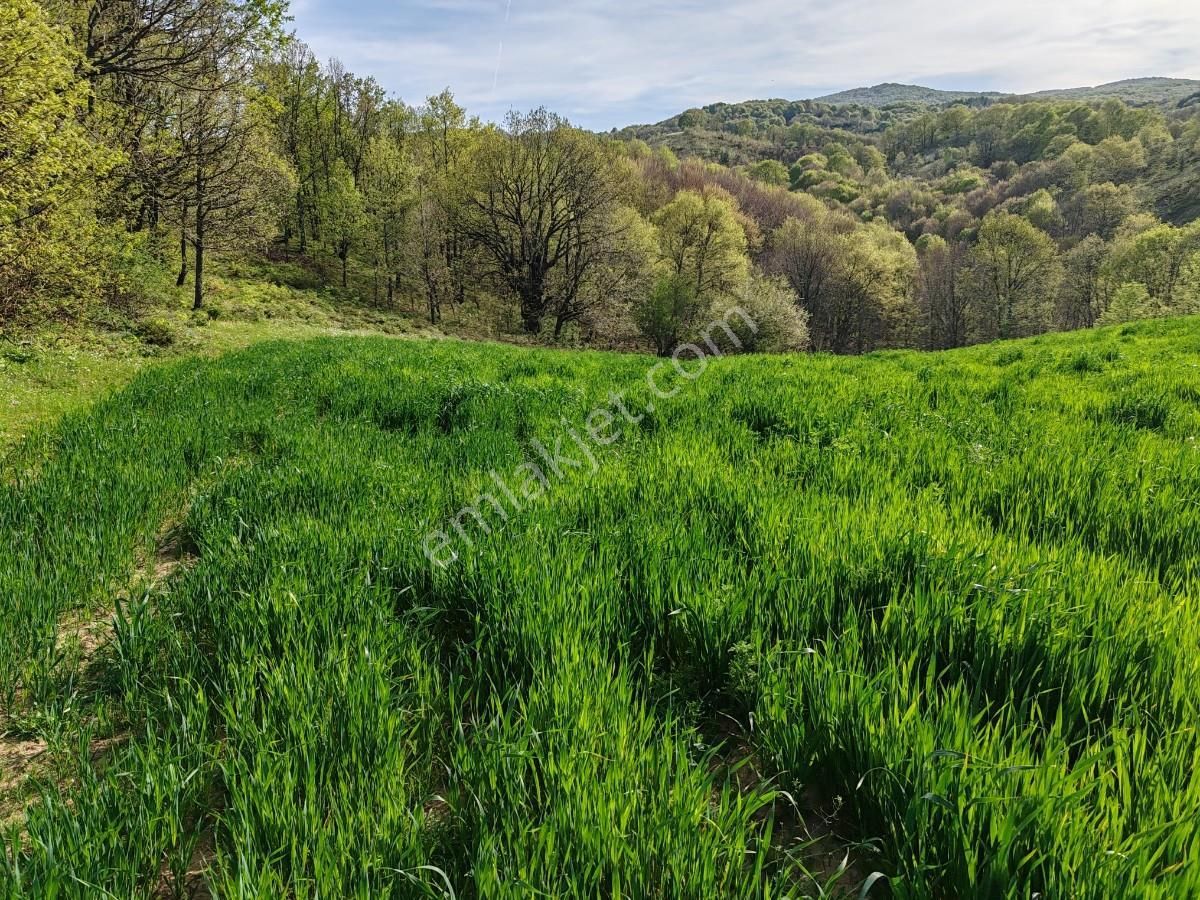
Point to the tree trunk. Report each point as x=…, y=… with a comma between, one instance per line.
x=531, y=321
x=198, y=302
x=183, y=250
x=198, y=239
x=533, y=300
x=435, y=306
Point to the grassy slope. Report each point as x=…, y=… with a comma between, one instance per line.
x=946, y=603
x=51, y=372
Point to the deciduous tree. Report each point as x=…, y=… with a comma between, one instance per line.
x=1018, y=273
x=541, y=210
x=702, y=241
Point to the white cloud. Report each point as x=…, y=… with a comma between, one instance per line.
x=614, y=62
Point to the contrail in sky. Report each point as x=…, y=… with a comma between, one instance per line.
x=500, y=52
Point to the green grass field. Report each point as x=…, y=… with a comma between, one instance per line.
x=904, y=625
x=52, y=371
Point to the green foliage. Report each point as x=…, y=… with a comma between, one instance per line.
x=1018, y=271
x=342, y=215
x=853, y=279
x=770, y=171
x=669, y=313
x=956, y=591
x=157, y=332
x=702, y=242
x=1130, y=302
x=220, y=137
x=1149, y=411
x=1164, y=259
x=775, y=322
x=48, y=165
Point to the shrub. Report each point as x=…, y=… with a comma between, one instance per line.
x=777, y=323
x=156, y=332
x=668, y=314
x=1132, y=301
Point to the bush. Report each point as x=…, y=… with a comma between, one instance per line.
x=156, y=332
x=777, y=323
x=668, y=314
x=1131, y=302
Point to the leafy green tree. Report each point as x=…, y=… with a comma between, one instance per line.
x=1075, y=166
x=624, y=270
x=669, y=313
x=1119, y=160
x=871, y=158
x=1085, y=288
x=1018, y=273
x=44, y=149
x=810, y=162
x=806, y=250
x=1161, y=258
x=343, y=216
x=1130, y=302
x=770, y=171
x=162, y=41
x=702, y=241
x=840, y=160
x=775, y=322
x=238, y=188
x=49, y=169
x=953, y=124
x=872, y=291
x=1042, y=210
x=387, y=201
x=295, y=83
x=1100, y=209
x=445, y=143
x=540, y=209
x=942, y=295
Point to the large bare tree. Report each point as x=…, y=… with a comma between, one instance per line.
x=541, y=210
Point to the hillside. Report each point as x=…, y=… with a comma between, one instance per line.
x=867, y=110
x=49, y=371
x=891, y=94
x=1134, y=91
x=362, y=617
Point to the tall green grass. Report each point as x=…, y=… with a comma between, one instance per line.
x=952, y=598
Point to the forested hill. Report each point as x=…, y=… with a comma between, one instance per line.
x=870, y=110
x=1135, y=91
x=141, y=158
x=932, y=139
x=890, y=94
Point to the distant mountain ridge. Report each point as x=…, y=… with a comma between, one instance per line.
x=745, y=133
x=890, y=93
x=1130, y=90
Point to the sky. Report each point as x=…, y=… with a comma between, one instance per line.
x=611, y=63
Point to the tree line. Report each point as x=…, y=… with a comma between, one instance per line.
x=148, y=133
